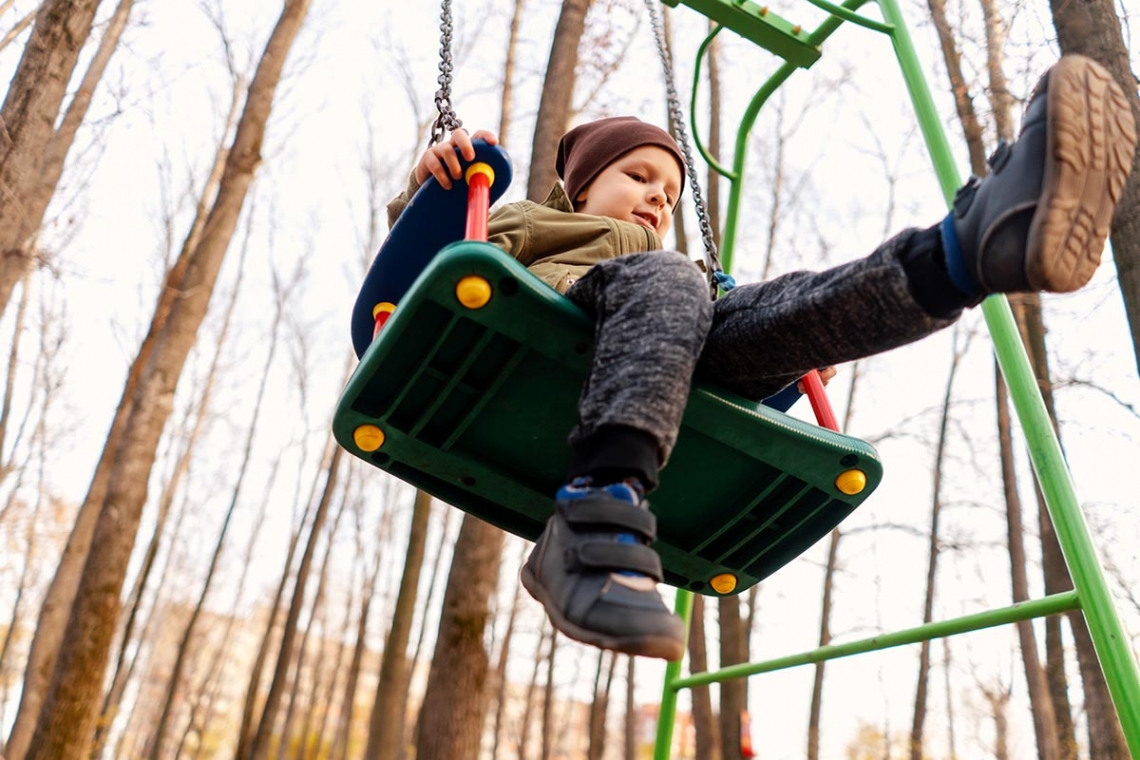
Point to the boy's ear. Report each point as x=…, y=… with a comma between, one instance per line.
x=577, y=202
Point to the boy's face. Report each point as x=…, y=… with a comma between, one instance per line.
x=640, y=187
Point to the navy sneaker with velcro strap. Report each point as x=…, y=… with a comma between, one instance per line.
x=594, y=572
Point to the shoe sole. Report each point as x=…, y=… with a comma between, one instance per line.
x=1090, y=147
x=660, y=647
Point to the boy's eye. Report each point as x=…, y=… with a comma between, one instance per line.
x=636, y=177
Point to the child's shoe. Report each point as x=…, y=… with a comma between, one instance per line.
x=1039, y=220
x=595, y=574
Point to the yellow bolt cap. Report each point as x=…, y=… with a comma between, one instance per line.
x=480, y=168
x=473, y=291
x=725, y=583
x=368, y=437
x=851, y=482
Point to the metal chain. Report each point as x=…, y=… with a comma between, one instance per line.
x=447, y=121
x=677, y=114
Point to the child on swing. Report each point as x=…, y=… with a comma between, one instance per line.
x=1037, y=222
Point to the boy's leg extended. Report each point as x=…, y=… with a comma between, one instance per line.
x=767, y=335
x=592, y=568
x=1037, y=221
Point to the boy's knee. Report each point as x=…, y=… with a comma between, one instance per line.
x=677, y=278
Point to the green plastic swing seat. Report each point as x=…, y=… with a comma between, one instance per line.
x=473, y=405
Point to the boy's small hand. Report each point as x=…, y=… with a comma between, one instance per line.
x=442, y=162
x=825, y=375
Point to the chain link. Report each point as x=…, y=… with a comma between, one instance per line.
x=447, y=121
x=677, y=114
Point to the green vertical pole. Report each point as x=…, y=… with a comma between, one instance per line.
x=668, y=713
x=1109, y=638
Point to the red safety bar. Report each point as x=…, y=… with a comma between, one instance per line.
x=479, y=178
x=820, y=404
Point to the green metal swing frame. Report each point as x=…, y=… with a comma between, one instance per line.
x=800, y=49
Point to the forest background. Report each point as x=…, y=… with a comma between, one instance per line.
x=246, y=495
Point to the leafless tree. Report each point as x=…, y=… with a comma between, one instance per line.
x=557, y=96
x=259, y=746
x=500, y=677
x=920, y=698
x=67, y=721
x=705, y=723
x=29, y=113
x=1044, y=718
x=386, y=729
x=282, y=291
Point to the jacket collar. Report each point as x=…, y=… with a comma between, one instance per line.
x=558, y=199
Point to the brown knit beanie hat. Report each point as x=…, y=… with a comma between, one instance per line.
x=587, y=149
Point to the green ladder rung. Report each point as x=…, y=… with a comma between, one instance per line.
x=759, y=25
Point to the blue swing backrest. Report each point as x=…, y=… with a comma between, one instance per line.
x=434, y=218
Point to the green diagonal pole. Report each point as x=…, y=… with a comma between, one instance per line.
x=1108, y=634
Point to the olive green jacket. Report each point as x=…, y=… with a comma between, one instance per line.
x=550, y=239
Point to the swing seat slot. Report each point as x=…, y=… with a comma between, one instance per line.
x=475, y=406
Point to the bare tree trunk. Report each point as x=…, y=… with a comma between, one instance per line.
x=247, y=451
x=247, y=731
x=1106, y=738
x=916, y=751
x=61, y=592
x=29, y=113
x=451, y=718
x=998, y=700
x=501, y=667
x=1044, y=720
x=55, y=156
x=557, y=96
x=734, y=693
x=712, y=184
x=824, y=639
x=428, y=605
x=259, y=746
x=951, y=741
x=548, y=700
x=599, y=708
x=1092, y=28
x=316, y=618
x=630, y=733
x=338, y=666
x=344, y=722
x=66, y=725
x=386, y=729
x=971, y=129
x=114, y=695
x=1022, y=305
x=509, y=73
x=7, y=465
x=211, y=682
x=528, y=706
x=705, y=724
x=14, y=619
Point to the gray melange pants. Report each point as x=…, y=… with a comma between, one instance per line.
x=656, y=327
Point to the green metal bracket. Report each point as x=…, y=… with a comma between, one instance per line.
x=759, y=25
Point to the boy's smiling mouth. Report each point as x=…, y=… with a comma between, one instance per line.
x=646, y=219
